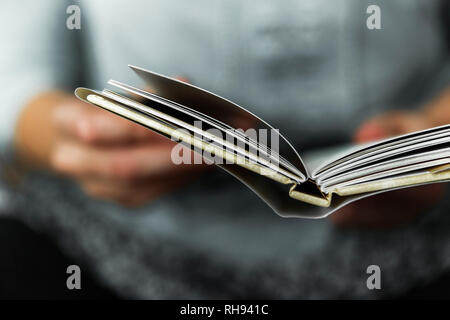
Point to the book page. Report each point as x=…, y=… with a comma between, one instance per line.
x=215, y=107
x=386, y=148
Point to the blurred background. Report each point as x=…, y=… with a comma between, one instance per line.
x=81, y=186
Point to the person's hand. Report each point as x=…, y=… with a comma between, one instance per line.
x=400, y=206
x=395, y=207
x=111, y=157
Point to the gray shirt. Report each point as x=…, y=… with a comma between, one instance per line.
x=311, y=68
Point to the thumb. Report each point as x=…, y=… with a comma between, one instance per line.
x=92, y=125
x=390, y=124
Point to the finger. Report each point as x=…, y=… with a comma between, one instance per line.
x=182, y=79
x=102, y=127
x=438, y=110
x=97, y=126
x=404, y=122
x=370, y=131
x=74, y=159
x=391, y=124
x=67, y=115
x=127, y=163
x=146, y=161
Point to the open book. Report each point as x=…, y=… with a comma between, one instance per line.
x=311, y=187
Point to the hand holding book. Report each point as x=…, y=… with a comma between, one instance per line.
x=399, y=206
x=111, y=158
